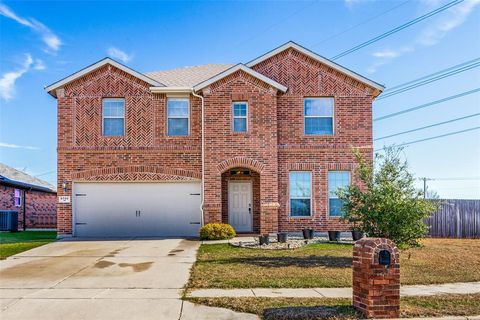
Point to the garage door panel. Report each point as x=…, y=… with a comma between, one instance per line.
x=110, y=209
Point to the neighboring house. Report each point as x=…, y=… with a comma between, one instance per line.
x=35, y=200
x=270, y=140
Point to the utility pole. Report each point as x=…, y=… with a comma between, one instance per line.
x=425, y=179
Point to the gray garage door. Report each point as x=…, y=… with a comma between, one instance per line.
x=136, y=209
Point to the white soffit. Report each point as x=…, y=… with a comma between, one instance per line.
x=319, y=58
x=51, y=88
x=245, y=69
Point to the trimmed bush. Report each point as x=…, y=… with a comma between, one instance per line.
x=217, y=231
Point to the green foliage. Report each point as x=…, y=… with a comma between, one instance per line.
x=385, y=201
x=217, y=231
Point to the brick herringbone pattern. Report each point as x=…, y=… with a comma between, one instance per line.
x=138, y=177
x=88, y=93
x=132, y=173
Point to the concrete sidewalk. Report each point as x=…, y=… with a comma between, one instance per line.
x=416, y=290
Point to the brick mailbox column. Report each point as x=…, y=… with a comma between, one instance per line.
x=376, y=278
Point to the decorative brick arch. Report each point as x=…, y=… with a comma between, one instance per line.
x=136, y=173
x=242, y=162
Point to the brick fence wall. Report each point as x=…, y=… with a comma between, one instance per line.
x=41, y=207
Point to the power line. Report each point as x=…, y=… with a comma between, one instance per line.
x=457, y=178
x=279, y=21
x=397, y=29
x=358, y=24
x=45, y=173
x=429, y=126
x=462, y=94
x=433, y=74
x=427, y=81
x=434, y=137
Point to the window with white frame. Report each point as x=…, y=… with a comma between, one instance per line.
x=113, y=114
x=318, y=114
x=336, y=180
x=17, y=198
x=300, y=193
x=240, y=116
x=178, y=114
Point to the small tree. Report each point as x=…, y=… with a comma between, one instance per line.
x=385, y=200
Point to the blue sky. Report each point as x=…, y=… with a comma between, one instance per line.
x=41, y=42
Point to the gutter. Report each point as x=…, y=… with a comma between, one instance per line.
x=172, y=90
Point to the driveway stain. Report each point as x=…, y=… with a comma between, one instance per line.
x=114, y=252
x=137, y=267
x=103, y=264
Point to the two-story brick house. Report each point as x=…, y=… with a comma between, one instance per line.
x=262, y=146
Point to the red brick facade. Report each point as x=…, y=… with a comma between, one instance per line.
x=274, y=144
x=40, y=207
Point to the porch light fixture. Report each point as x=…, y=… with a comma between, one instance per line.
x=240, y=172
x=64, y=186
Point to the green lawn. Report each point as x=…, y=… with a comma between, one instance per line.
x=15, y=242
x=328, y=265
x=301, y=308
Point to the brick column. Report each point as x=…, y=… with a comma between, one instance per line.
x=376, y=287
x=269, y=217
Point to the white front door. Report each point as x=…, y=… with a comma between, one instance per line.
x=240, y=205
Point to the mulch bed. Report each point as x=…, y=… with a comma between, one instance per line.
x=293, y=242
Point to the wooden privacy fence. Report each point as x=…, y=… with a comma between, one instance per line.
x=456, y=218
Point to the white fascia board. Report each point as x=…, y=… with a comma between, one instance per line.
x=245, y=69
x=51, y=88
x=319, y=58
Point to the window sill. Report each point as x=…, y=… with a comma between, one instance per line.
x=301, y=217
x=177, y=137
x=319, y=135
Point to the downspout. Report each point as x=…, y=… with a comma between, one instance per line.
x=203, y=158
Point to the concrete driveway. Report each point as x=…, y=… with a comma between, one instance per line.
x=124, y=279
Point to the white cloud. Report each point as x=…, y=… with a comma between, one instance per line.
x=430, y=35
x=52, y=41
x=453, y=18
x=39, y=65
x=386, y=53
x=8, y=79
x=351, y=3
x=16, y=146
x=119, y=54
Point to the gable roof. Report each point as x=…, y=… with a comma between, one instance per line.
x=245, y=69
x=51, y=88
x=20, y=179
x=319, y=58
x=188, y=76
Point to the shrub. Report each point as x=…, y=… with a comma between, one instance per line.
x=217, y=231
x=385, y=200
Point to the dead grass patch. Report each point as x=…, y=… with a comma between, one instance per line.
x=328, y=265
x=434, y=306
